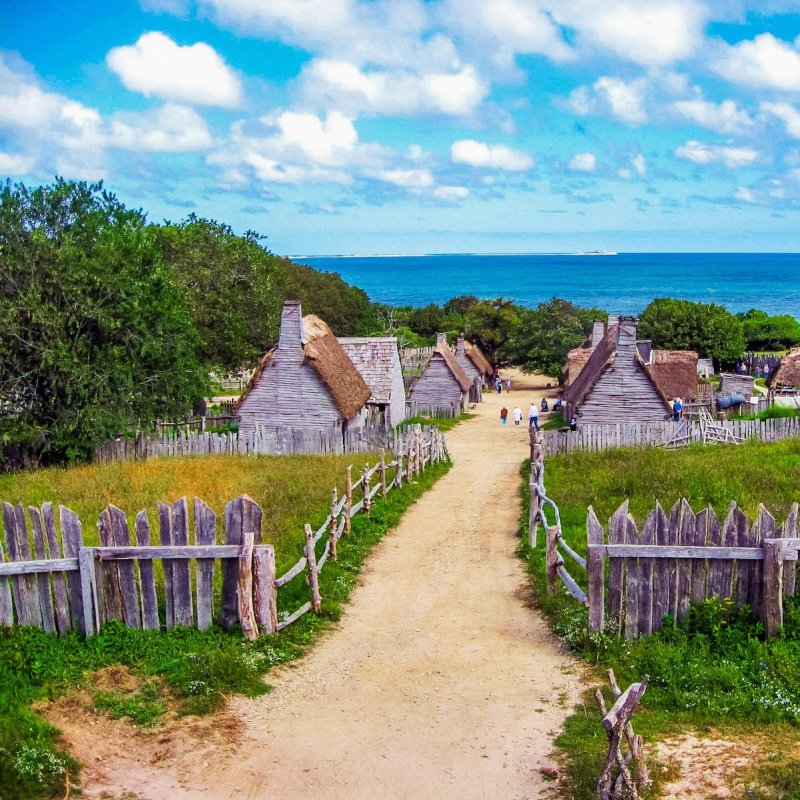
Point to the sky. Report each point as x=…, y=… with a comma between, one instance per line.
x=406, y=126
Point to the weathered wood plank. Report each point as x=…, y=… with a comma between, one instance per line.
x=292, y=573
x=662, y=571
x=29, y=584
x=6, y=604
x=305, y=608
x=313, y=577
x=127, y=576
x=616, y=535
x=165, y=537
x=230, y=569
x=763, y=528
x=596, y=567
x=632, y=582
x=684, y=536
x=109, y=590
x=91, y=603
x=247, y=617
x=205, y=533
x=43, y=578
x=181, y=576
x=789, y=531
x=63, y=621
x=150, y=619
x=72, y=542
x=265, y=596
x=36, y=567
x=706, y=527
x=647, y=578
x=773, y=586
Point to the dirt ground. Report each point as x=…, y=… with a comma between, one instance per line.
x=439, y=681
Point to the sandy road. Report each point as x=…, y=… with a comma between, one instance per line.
x=439, y=682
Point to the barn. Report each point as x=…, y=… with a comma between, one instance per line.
x=378, y=361
x=442, y=385
x=306, y=381
x=616, y=383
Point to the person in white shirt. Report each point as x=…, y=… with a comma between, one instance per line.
x=517, y=415
x=533, y=417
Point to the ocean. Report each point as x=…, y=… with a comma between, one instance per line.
x=621, y=284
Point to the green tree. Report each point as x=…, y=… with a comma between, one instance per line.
x=426, y=321
x=548, y=332
x=231, y=285
x=711, y=330
x=93, y=335
x=763, y=332
x=492, y=324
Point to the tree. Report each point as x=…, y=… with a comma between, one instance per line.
x=491, y=323
x=426, y=321
x=231, y=285
x=548, y=332
x=93, y=335
x=763, y=332
x=711, y=330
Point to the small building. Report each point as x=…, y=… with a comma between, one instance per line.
x=616, y=384
x=786, y=378
x=476, y=366
x=732, y=384
x=378, y=361
x=306, y=381
x=442, y=385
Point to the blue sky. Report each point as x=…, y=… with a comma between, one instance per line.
x=403, y=126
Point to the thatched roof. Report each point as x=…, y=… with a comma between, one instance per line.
x=788, y=373
x=343, y=381
x=675, y=373
x=576, y=360
x=374, y=358
x=601, y=357
x=455, y=368
x=476, y=356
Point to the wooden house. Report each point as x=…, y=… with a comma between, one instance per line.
x=378, y=361
x=475, y=365
x=786, y=378
x=616, y=384
x=733, y=384
x=306, y=381
x=442, y=385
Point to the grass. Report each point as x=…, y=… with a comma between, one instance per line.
x=717, y=670
x=773, y=412
x=444, y=424
x=183, y=669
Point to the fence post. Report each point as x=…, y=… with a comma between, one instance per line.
x=332, y=537
x=365, y=487
x=533, y=522
x=398, y=475
x=265, y=595
x=247, y=617
x=552, y=559
x=348, y=502
x=596, y=568
x=774, y=550
x=91, y=611
x=383, y=473
x=313, y=577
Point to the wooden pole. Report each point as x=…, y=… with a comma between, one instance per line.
x=398, y=475
x=596, y=569
x=533, y=522
x=774, y=550
x=265, y=595
x=348, y=503
x=332, y=536
x=383, y=473
x=365, y=488
x=313, y=576
x=552, y=559
x=247, y=617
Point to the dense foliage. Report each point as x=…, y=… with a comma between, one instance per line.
x=763, y=332
x=710, y=330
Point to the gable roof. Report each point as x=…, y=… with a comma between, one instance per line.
x=788, y=373
x=374, y=358
x=476, y=356
x=675, y=372
x=576, y=360
x=455, y=368
x=602, y=356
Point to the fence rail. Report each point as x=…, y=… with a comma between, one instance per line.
x=63, y=585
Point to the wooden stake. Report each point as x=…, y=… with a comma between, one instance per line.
x=332, y=537
x=383, y=473
x=313, y=577
x=552, y=559
x=365, y=488
x=774, y=550
x=265, y=596
x=247, y=617
x=398, y=475
x=348, y=503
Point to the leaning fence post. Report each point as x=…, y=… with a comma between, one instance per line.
x=348, y=502
x=247, y=617
x=533, y=521
x=774, y=550
x=313, y=577
x=91, y=610
x=552, y=559
x=398, y=475
x=332, y=536
x=383, y=473
x=365, y=486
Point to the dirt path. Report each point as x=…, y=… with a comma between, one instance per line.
x=439, y=681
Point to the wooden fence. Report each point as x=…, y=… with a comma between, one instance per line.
x=264, y=441
x=657, y=434
x=684, y=558
x=67, y=585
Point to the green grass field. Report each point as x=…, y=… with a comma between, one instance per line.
x=717, y=671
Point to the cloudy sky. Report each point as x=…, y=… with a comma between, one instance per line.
x=404, y=126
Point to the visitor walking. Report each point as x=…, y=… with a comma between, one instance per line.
x=517, y=415
x=533, y=417
x=503, y=416
x=508, y=385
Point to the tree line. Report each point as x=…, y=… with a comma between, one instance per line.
x=110, y=322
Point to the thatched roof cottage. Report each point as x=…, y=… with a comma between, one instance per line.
x=476, y=366
x=442, y=384
x=307, y=381
x=378, y=361
x=787, y=377
x=617, y=384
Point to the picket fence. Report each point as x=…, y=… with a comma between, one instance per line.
x=278, y=441
x=656, y=434
x=72, y=586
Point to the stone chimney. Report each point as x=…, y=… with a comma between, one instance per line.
x=460, y=346
x=598, y=332
x=441, y=340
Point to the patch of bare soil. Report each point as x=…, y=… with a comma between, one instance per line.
x=439, y=681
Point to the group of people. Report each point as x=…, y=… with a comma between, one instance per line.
x=533, y=413
x=499, y=383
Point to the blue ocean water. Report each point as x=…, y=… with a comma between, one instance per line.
x=622, y=284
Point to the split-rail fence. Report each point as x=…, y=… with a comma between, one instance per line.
x=635, y=578
x=68, y=585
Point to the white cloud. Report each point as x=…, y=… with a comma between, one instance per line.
x=13, y=164
x=786, y=113
x=762, y=62
x=613, y=96
x=625, y=173
x=583, y=162
x=744, y=194
x=169, y=129
x=345, y=86
x=495, y=156
x=451, y=194
x=725, y=117
x=639, y=164
x=406, y=178
x=731, y=157
x=156, y=66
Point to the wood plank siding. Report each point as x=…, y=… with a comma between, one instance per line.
x=437, y=386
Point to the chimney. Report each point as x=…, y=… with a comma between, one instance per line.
x=598, y=332
x=460, y=346
x=291, y=326
x=441, y=340
x=613, y=319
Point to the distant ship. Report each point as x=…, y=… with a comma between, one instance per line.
x=597, y=253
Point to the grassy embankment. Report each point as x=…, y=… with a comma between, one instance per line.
x=182, y=669
x=444, y=424
x=716, y=672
